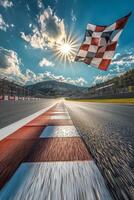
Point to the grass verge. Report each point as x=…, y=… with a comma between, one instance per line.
x=120, y=100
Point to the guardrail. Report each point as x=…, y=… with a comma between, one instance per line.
x=16, y=98
x=113, y=91
x=10, y=90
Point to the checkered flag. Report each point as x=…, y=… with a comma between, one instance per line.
x=99, y=44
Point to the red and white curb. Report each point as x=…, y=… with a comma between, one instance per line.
x=46, y=159
x=4, y=132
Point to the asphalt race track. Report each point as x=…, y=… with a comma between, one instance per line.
x=108, y=131
x=73, y=150
x=12, y=111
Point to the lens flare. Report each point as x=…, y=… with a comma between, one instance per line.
x=66, y=50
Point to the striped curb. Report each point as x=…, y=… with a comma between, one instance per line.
x=46, y=159
x=6, y=131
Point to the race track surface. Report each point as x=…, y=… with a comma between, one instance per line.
x=67, y=150
x=46, y=159
x=108, y=131
x=12, y=111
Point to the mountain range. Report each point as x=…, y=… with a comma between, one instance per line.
x=55, y=88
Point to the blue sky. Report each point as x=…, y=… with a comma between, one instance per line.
x=28, y=30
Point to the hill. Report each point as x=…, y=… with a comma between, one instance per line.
x=55, y=88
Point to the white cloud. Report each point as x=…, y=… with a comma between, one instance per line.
x=102, y=78
x=30, y=77
x=27, y=6
x=116, y=56
x=50, y=31
x=12, y=25
x=25, y=46
x=10, y=66
x=121, y=63
x=33, y=78
x=30, y=25
x=6, y=3
x=35, y=40
x=73, y=16
x=126, y=58
x=40, y=4
x=44, y=62
x=3, y=25
x=8, y=60
x=80, y=81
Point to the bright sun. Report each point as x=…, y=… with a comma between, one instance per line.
x=66, y=50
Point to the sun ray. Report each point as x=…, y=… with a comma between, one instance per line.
x=65, y=51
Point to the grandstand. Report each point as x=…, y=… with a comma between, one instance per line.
x=122, y=86
x=10, y=90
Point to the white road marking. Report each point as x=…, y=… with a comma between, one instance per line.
x=60, y=117
x=60, y=112
x=59, y=131
x=4, y=132
x=56, y=181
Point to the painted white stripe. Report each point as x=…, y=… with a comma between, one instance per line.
x=60, y=112
x=59, y=131
x=60, y=117
x=56, y=181
x=4, y=132
x=61, y=109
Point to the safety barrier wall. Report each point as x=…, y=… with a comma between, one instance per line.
x=10, y=90
x=16, y=98
x=112, y=92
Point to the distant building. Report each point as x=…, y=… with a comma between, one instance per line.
x=118, y=86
